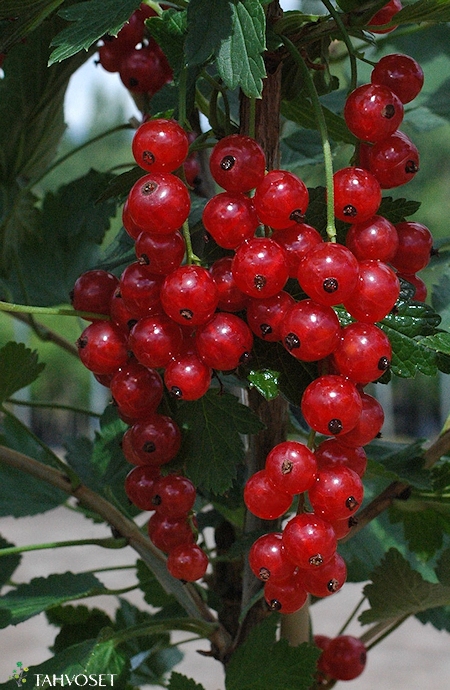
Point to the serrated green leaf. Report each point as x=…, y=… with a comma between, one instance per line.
x=208, y=23
x=439, y=617
x=396, y=590
x=19, y=366
x=401, y=462
x=424, y=11
x=397, y=210
x=28, y=15
x=179, y=682
x=169, y=30
x=443, y=568
x=441, y=476
x=423, y=528
x=153, y=592
x=8, y=564
x=239, y=59
x=439, y=342
x=41, y=593
x=91, y=21
x=213, y=445
x=265, y=381
x=261, y=662
x=77, y=623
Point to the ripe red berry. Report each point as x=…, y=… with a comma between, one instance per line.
x=384, y=16
x=187, y=562
x=102, y=347
x=265, y=316
x=136, y=390
x=415, y=243
x=168, y=533
x=154, y=340
x=310, y=331
x=309, y=540
x=139, y=484
x=401, y=74
x=93, y=290
x=376, y=238
x=160, y=145
x=328, y=273
x=376, y=293
x=155, y=440
x=187, y=377
x=285, y=596
x=224, y=342
x=159, y=203
x=336, y=493
x=140, y=289
x=291, y=467
x=237, y=163
x=268, y=560
x=230, y=297
x=363, y=353
x=344, y=657
x=373, y=112
x=189, y=295
x=145, y=70
x=173, y=495
x=393, y=161
x=264, y=499
x=331, y=405
x=357, y=194
x=368, y=425
x=326, y=580
x=230, y=218
x=260, y=267
x=297, y=241
x=162, y=254
x=418, y=284
x=281, y=199
x=331, y=452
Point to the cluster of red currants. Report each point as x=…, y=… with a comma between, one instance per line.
x=138, y=59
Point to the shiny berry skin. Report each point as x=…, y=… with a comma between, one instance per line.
x=162, y=254
x=331, y=405
x=285, y=596
x=368, y=425
x=93, y=290
x=168, y=533
x=384, y=16
x=264, y=499
x=281, y=199
x=173, y=495
x=310, y=331
x=186, y=377
x=102, y=347
x=260, y=267
x=328, y=273
x=337, y=493
x=418, y=284
x=376, y=238
x=394, y=161
x=401, y=74
x=331, y=452
x=344, y=658
x=156, y=439
x=267, y=559
x=230, y=218
x=376, y=293
x=110, y=57
x=154, y=340
x=414, y=247
x=357, y=194
x=145, y=70
x=139, y=484
x=372, y=112
x=364, y=352
x=160, y=145
x=120, y=314
x=230, y=297
x=326, y=580
x=159, y=203
x=189, y=295
x=131, y=228
x=136, y=390
x=140, y=289
x=237, y=163
x=224, y=342
x=297, y=241
x=187, y=562
x=265, y=316
x=309, y=540
x=291, y=467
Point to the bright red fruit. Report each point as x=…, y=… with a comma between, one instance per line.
x=136, y=390
x=394, y=161
x=173, y=495
x=224, y=342
x=162, y=254
x=376, y=238
x=154, y=340
x=331, y=452
x=331, y=405
x=189, y=295
x=267, y=558
x=401, y=74
x=376, y=293
x=102, y=347
x=415, y=243
x=297, y=240
x=363, y=353
x=336, y=493
x=325, y=580
x=285, y=596
x=281, y=199
x=159, y=203
x=357, y=194
x=373, y=112
x=264, y=499
x=187, y=377
x=309, y=540
x=230, y=218
x=344, y=658
x=187, y=562
x=260, y=267
x=168, y=533
x=155, y=440
x=139, y=484
x=160, y=145
x=93, y=290
x=291, y=467
x=265, y=316
x=310, y=331
x=328, y=273
x=237, y=163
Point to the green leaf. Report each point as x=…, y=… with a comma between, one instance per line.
x=239, y=58
x=41, y=593
x=169, y=30
x=208, y=23
x=154, y=594
x=424, y=11
x=400, y=462
x=213, y=446
x=19, y=367
x=72, y=227
x=443, y=568
x=397, y=590
x=91, y=21
x=179, y=682
x=8, y=564
x=439, y=342
x=299, y=110
x=424, y=528
x=265, y=381
x=28, y=15
x=77, y=623
x=261, y=662
x=397, y=210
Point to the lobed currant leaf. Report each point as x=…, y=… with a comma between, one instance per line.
x=153, y=592
x=424, y=528
x=76, y=623
x=170, y=30
x=208, y=23
x=396, y=210
x=19, y=366
x=180, y=682
x=397, y=590
x=400, y=462
x=429, y=10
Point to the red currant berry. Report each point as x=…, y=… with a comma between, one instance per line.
x=93, y=291
x=376, y=293
x=264, y=499
x=159, y=203
x=102, y=347
x=376, y=238
x=357, y=194
x=309, y=540
x=363, y=353
x=110, y=56
x=418, y=284
x=161, y=254
x=401, y=74
x=260, y=267
x=145, y=70
x=156, y=439
x=344, y=658
x=415, y=243
x=173, y=495
x=224, y=342
x=136, y=390
x=337, y=493
x=154, y=340
x=326, y=580
x=132, y=229
x=139, y=484
x=368, y=425
x=331, y=452
x=384, y=16
x=281, y=199
x=230, y=297
x=230, y=218
x=328, y=273
x=189, y=295
x=140, y=289
x=187, y=377
x=267, y=559
x=285, y=596
x=310, y=331
x=187, y=562
x=237, y=163
x=291, y=467
x=265, y=316
x=331, y=405
x=168, y=533
x=297, y=241
x=120, y=314
x=160, y=145
x=373, y=112
x=394, y=161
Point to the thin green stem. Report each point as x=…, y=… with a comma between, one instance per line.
x=53, y=406
x=50, y=311
x=351, y=616
x=322, y=127
x=346, y=38
x=203, y=629
x=107, y=543
x=77, y=149
x=191, y=258
x=381, y=630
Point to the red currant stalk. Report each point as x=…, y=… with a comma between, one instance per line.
x=322, y=127
x=52, y=311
